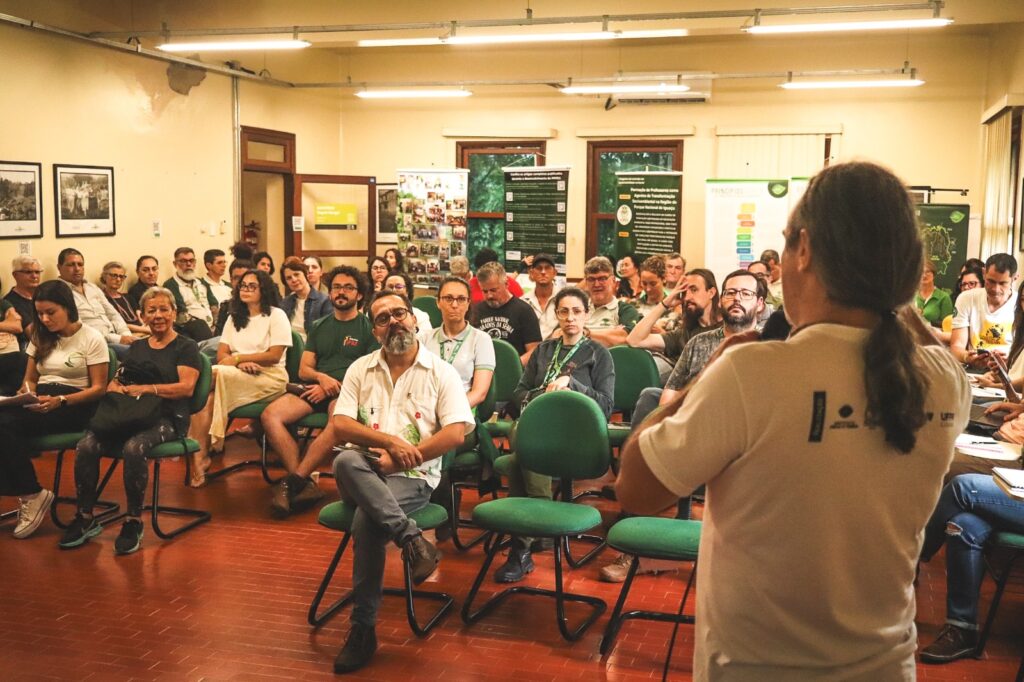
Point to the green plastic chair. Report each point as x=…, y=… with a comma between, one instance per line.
x=508, y=368
x=428, y=304
x=1013, y=545
x=635, y=370
x=545, y=445
x=651, y=538
x=464, y=467
x=338, y=516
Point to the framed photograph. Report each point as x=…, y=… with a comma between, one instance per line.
x=21, y=200
x=84, y=200
x=387, y=210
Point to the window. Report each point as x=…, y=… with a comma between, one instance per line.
x=773, y=156
x=604, y=160
x=485, y=160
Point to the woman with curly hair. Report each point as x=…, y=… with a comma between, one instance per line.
x=250, y=364
x=395, y=260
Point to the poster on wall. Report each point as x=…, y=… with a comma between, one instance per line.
x=431, y=221
x=944, y=233
x=387, y=213
x=535, y=203
x=742, y=219
x=84, y=198
x=21, y=200
x=647, y=220
x=336, y=217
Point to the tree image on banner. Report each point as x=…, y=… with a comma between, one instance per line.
x=944, y=233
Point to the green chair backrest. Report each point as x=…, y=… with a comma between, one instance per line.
x=634, y=371
x=112, y=367
x=507, y=370
x=293, y=356
x=563, y=434
x=202, y=390
x=486, y=407
x=428, y=304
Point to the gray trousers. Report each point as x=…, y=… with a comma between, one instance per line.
x=382, y=504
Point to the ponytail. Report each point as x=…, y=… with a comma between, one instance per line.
x=894, y=383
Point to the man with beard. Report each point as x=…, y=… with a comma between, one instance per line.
x=503, y=316
x=697, y=292
x=408, y=407
x=94, y=310
x=147, y=269
x=197, y=306
x=333, y=344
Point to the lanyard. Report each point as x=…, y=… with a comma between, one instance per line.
x=455, y=349
x=555, y=367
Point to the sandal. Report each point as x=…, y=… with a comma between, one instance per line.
x=198, y=478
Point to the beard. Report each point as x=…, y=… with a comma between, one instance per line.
x=343, y=304
x=692, y=315
x=737, y=319
x=187, y=275
x=399, y=340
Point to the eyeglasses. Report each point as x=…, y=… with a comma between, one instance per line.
x=186, y=261
x=396, y=287
x=35, y=273
x=455, y=300
x=598, y=280
x=113, y=276
x=970, y=284
x=566, y=313
x=249, y=286
x=347, y=288
x=383, y=318
x=741, y=294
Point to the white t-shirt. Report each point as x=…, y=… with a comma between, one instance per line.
x=986, y=329
x=298, y=320
x=427, y=397
x=69, y=361
x=473, y=350
x=221, y=291
x=260, y=334
x=813, y=524
x=546, y=317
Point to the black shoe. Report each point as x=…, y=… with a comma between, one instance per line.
x=953, y=643
x=542, y=545
x=130, y=538
x=443, y=533
x=79, y=532
x=421, y=557
x=518, y=565
x=307, y=495
x=358, y=649
x=280, y=500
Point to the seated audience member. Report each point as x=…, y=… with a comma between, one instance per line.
x=628, y=270
x=611, y=320
x=243, y=250
x=315, y=273
x=147, y=271
x=235, y=271
x=934, y=303
x=28, y=273
x=303, y=305
x=459, y=267
x=675, y=270
x=216, y=264
x=395, y=261
x=469, y=350
x=762, y=271
x=400, y=282
x=196, y=304
x=12, y=360
x=111, y=280
x=971, y=277
x=67, y=370
x=483, y=257
x=541, y=298
x=570, y=363
x=831, y=482
x=971, y=507
x=501, y=315
x=334, y=343
x=250, y=364
x=409, y=437
x=93, y=309
x=376, y=272
x=265, y=262
x=984, y=317
x=652, y=285
x=770, y=257
x=165, y=365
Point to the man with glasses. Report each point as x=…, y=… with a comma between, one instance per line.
x=503, y=316
x=611, y=319
x=147, y=269
x=541, y=298
x=332, y=345
x=197, y=305
x=399, y=410
x=983, y=318
x=28, y=272
x=93, y=308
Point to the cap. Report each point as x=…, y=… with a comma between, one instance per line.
x=543, y=257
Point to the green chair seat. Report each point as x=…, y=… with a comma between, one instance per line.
x=499, y=428
x=535, y=517
x=250, y=410
x=317, y=420
x=174, y=448
x=503, y=464
x=338, y=516
x=466, y=460
x=1008, y=540
x=617, y=434
x=56, y=441
x=657, y=538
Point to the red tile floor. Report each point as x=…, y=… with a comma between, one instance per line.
x=228, y=601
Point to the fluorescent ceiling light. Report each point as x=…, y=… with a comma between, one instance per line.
x=623, y=88
x=525, y=38
x=849, y=26
x=228, y=46
x=840, y=84
x=411, y=94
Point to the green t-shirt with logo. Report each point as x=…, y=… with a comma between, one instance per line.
x=338, y=344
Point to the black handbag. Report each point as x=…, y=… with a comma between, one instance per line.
x=119, y=416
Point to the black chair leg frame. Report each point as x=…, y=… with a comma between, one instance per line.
x=317, y=619
x=198, y=516
x=565, y=491
x=1001, y=578
x=456, y=521
x=618, y=618
x=110, y=511
x=598, y=606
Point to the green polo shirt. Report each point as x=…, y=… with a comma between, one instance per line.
x=938, y=307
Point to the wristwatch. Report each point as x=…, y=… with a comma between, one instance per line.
x=63, y=400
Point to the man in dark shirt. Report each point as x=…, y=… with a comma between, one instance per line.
x=148, y=270
x=28, y=273
x=503, y=316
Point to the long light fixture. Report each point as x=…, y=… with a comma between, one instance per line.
x=841, y=84
x=578, y=36
x=411, y=94
x=830, y=27
x=235, y=45
x=624, y=89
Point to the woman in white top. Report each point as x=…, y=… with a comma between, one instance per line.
x=469, y=350
x=250, y=364
x=400, y=282
x=67, y=370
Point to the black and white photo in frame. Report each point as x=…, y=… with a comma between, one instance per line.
x=21, y=200
x=84, y=200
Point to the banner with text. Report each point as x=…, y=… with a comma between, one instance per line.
x=535, y=201
x=648, y=215
x=431, y=221
x=944, y=233
x=742, y=219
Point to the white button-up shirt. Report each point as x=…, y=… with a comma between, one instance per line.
x=546, y=316
x=94, y=310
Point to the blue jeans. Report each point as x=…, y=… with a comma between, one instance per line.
x=970, y=507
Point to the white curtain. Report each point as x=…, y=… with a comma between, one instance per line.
x=771, y=156
x=998, y=195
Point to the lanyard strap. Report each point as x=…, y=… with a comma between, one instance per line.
x=555, y=367
x=441, y=340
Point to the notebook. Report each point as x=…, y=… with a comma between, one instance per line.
x=1010, y=480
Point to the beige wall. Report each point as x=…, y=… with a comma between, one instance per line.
x=1006, y=63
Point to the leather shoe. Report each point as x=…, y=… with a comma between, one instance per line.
x=307, y=495
x=421, y=557
x=358, y=649
x=953, y=643
x=280, y=500
x=518, y=565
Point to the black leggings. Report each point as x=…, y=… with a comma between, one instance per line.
x=136, y=468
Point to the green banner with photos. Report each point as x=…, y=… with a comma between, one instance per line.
x=647, y=220
x=535, y=201
x=944, y=233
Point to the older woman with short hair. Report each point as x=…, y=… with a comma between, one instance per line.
x=111, y=280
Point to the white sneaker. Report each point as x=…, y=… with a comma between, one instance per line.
x=31, y=513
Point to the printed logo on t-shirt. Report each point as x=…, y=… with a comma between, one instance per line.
x=844, y=421
x=817, y=416
x=73, y=357
x=497, y=327
x=350, y=342
x=994, y=334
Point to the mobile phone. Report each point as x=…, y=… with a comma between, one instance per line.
x=1004, y=379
